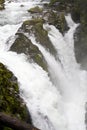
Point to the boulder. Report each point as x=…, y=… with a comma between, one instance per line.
x=57, y=19
x=24, y=45
x=10, y=101
x=2, y=4
x=35, y=26
x=35, y=9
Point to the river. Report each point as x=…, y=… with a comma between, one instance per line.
x=57, y=101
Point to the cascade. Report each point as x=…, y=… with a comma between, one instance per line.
x=66, y=75
x=56, y=102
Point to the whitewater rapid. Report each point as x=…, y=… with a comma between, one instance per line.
x=56, y=102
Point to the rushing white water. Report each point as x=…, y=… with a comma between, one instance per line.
x=55, y=103
x=68, y=78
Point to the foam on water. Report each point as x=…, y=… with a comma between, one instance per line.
x=42, y=98
x=55, y=102
x=68, y=78
x=75, y=89
x=16, y=12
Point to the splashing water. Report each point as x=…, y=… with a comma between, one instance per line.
x=68, y=78
x=56, y=102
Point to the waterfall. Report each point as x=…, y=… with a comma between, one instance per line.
x=55, y=101
x=67, y=77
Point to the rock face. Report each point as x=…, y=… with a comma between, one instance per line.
x=35, y=26
x=2, y=4
x=81, y=46
x=24, y=45
x=78, y=10
x=10, y=101
x=57, y=19
x=79, y=15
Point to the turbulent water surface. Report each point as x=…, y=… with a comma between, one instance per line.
x=56, y=102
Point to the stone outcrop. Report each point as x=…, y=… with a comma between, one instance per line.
x=24, y=45
x=10, y=101
x=35, y=26
x=2, y=4
x=78, y=10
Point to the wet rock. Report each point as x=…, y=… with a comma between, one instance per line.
x=35, y=26
x=75, y=14
x=79, y=15
x=36, y=9
x=81, y=46
x=10, y=101
x=57, y=19
x=53, y=2
x=78, y=10
x=2, y=4
x=24, y=45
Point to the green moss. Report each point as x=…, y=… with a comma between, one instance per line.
x=39, y=30
x=33, y=21
x=35, y=10
x=2, y=1
x=35, y=26
x=10, y=101
x=2, y=4
x=24, y=45
x=61, y=24
x=52, y=2
x=7, y=128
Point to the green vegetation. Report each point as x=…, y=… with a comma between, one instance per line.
x=2, y=4
x=78, y=9
x=10, y=101
x=36, y=9
x=32, y=22
x=2, y=1
x=24, y=45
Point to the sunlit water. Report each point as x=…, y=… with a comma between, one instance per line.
x=56, y=102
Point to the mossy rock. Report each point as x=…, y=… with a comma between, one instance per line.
x=57, y=19
x=2, y=1
x=52, y=2
x=60, y=5
x=31, y=22
x=2, y=4
x=61, y=24
x=35, y=9
x=79, y=15
x=24, y=45
x=10, y=101
x=81, y=46
x=35, y=26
